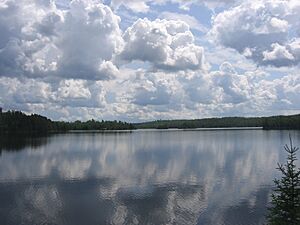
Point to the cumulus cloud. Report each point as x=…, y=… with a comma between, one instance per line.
x=186, y=5
x=260, y=30
x=168, y=45
x=43, y=40
x=198, y=89
x=134, y=5
x=287, y=90
x=188, y=19
x=143, y=6
x=235, y=88
x=283, y=55
x=73, y=89
x=20, y=94
x=75, y=93
x=147, y=95
x=90, y=35
x=60, y=60
x=33, y=95
x=155, y=89
x=195, y=94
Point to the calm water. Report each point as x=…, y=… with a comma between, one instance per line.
x=141, y=177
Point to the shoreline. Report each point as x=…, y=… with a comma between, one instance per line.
x=166, y=129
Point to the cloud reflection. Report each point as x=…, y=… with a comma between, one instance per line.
x=157, y=177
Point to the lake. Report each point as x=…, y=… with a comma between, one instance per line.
x=206, y=177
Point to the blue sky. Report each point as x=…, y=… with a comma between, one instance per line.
x=144, y=60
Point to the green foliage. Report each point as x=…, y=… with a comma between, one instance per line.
x=282, y=122
x=93, y=125
x=274, y=122
x=285, y=209
x=15, y=122
x=18, y=122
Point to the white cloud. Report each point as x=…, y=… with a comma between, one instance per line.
x=143, y=6
x=188, y=19
x=74, y=62
x=89, y=36
x=144, y=95
x=134, y=5
x=168, y=45
x=279, y=55
x=155, y=89
x=279, y=24
x=79, y=93
x=236, y=88
x=257, y=29
x=43, y=40
x=283, y=55
x=73, y=89
x=288, y=92
x=20, y=94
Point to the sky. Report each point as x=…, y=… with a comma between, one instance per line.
x=147, y=60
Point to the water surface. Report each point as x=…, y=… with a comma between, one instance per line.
x=140, y=177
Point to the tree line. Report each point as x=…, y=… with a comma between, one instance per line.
x=19, y=122
x=273, y=122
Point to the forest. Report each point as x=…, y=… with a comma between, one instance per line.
x=272, y=122
x=19, y=122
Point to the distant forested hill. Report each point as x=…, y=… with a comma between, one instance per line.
x=273, y=122
x=282, y=122
x=18, y=122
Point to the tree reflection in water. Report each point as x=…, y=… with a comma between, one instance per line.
x=219, y=177
x=20, y=142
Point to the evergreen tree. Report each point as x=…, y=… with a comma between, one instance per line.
x=285, y=209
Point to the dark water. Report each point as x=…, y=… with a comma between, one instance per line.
x=140, y=177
